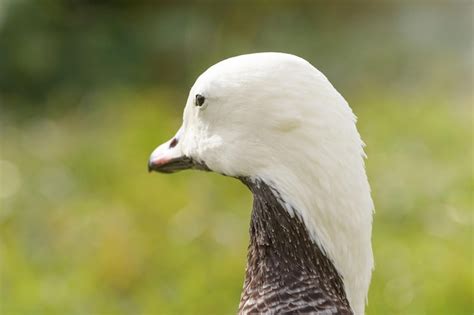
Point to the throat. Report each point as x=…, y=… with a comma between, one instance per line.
x=286, y=271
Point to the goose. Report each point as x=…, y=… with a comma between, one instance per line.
x=274, y=122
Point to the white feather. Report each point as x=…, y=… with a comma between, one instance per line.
x=275, y=117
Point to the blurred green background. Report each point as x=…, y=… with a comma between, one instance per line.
x=88, y=90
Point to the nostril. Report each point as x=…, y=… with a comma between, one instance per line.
x=173, y=143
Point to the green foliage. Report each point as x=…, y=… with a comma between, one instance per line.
x=88, y=230
x=87, y=92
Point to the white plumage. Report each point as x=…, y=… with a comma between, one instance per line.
x=273, y=117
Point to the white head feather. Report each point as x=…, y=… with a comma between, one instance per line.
x=274, y=117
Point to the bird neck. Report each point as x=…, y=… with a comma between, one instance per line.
x=286, y=271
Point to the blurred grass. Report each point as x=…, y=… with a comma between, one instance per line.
x=88, y=90
x=86, y=230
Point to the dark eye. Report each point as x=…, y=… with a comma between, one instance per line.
x=199, y=100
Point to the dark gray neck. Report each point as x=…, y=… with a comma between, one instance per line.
x=286, y=271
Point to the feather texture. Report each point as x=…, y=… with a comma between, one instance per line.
x=275, y=121
x=286, y=271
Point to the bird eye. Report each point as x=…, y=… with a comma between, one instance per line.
x=199, y=100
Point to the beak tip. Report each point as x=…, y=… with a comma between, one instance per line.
x=150, y=167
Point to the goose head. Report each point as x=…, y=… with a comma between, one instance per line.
x=274, y=118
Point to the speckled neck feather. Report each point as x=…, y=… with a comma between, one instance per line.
x=286, y=271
